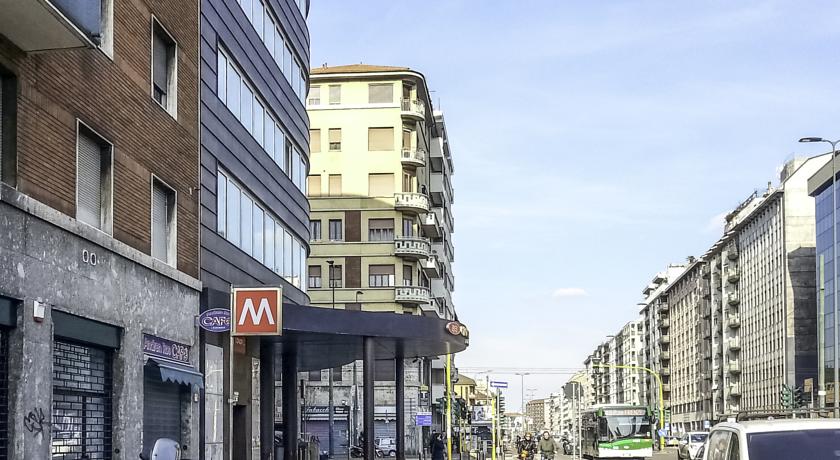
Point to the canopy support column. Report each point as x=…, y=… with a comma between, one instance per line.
x=367, y=397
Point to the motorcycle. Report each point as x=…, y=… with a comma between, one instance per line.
x=567, y=447
x=358, y=452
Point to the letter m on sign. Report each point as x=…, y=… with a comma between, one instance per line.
x=257, y=311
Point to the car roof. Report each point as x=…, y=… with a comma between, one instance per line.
x=760, y=426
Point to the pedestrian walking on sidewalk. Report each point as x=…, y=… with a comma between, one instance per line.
x=438, y=447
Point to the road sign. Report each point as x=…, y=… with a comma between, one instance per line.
x=257, y=311
x=498, y=384
x=423, y=419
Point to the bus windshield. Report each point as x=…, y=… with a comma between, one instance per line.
x=625, y=426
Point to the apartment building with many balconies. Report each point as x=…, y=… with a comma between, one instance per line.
x=763, y=294
x=99, y=212
x=685, y=331
x=630, y=384
x=380, y=191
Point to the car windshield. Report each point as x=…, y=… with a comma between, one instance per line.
x=795, y=445
x=699, y=438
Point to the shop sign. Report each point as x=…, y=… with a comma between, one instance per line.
x=456, y=328
x=215, y=320
x=157, y=347
x=257, y=311
x=325, y=410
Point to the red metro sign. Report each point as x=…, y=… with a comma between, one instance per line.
x=257, y=311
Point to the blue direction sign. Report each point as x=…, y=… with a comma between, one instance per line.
x=497, y=384
x=423, y=419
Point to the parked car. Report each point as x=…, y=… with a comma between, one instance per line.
x=690, y=443
x=672, y=441
x=807, y=439
x=388, y=446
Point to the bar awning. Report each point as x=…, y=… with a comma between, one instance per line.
x=178, y=373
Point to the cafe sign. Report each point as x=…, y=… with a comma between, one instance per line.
x=215, y=320
x=157, y=347
x=456, y=328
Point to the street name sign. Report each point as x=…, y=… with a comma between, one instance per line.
x=497, y=384
x=257, y=311
x=423, y=419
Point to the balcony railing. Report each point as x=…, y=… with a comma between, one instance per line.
x=665, y=355
x=664, y=323
x=42, y=25
x=430, y=224
x=735, y=389
x=734, y=367
x=734, y=344
x=733, y=298
x=430, y=266
x=733, y=322
x=732, y=253
x=414, y=157
x=413, y=108
x=411, y=294
x=412, y=247
x=412, y=202
x=665, y=338
x=733, y=275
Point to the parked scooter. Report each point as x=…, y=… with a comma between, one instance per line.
x=358, y=452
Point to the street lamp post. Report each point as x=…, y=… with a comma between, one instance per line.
x=358, y=293
x=661, y=396
x=331, y=416
x=833, y=144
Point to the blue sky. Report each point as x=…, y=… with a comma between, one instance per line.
x=594, y=142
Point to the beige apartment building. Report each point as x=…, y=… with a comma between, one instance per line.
x=380, y=194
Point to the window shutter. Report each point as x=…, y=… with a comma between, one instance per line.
x=314, y=185
x=381, y=270
x=335, y=135
x=380, y=139
x=315, y=271
x=381, y=224
x=161, y=50
x=335, y=185
x=381, y=184
x=381, y=93
x=160, y=213
x=335, y=94
x=314, y=140
x=89, y=181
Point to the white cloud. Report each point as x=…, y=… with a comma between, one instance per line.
x=568, y=292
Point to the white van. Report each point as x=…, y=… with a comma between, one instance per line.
x=800, y=439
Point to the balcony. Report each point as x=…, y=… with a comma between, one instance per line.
x=412, y=247
x=733, y=322
x=705, y=271
x=665, y=355
x=430, y=225
x=430, y=266
x=706, y=310
x=42, y=25
x=665, y=371
x=664, y=323
x=665, y=338
x=734, y=367
x=735, y=389
x=733, y=298
x=415, y=158
x=411, y=202
x=666, y=387
x=664, y=306
x=440, y=189
x=732, y=275
x=412, y=108
x=732, y=253
x=415, y=295
x=734, y=344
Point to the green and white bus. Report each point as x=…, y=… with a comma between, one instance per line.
x=617, y=431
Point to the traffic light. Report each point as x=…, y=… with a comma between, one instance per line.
x=798, y=398
x=786, y=397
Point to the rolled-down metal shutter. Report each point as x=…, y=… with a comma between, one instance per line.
x=82, y=393
x=386, y=429
x=4, y=392
x=161, y=409
x=320, y=429
x=89, y=181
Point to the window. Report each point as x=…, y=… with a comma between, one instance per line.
x=380, y=139
x=336, y=233
x=381, y=185
x=313, y=185
x=336, y=374
x=381, y=275
x=335, y=185
x=381, y=93
x=718, y=445
x=94, y=180
x=314, y=376
x=314, y=276
x=246, y=105
x=406, y=139
x=314, y=140
x=335, y=94
x=408, y=182
x=381, y=230
x=164, y=232
x=8, y=136
x=164, y=68
x=408, y=275
x=335, y=276
x=335, y=139
x=408, y=227
x=315, y=230
x=314, y=95
x=248, y=225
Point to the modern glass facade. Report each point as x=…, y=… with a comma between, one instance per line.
x=827, y=310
